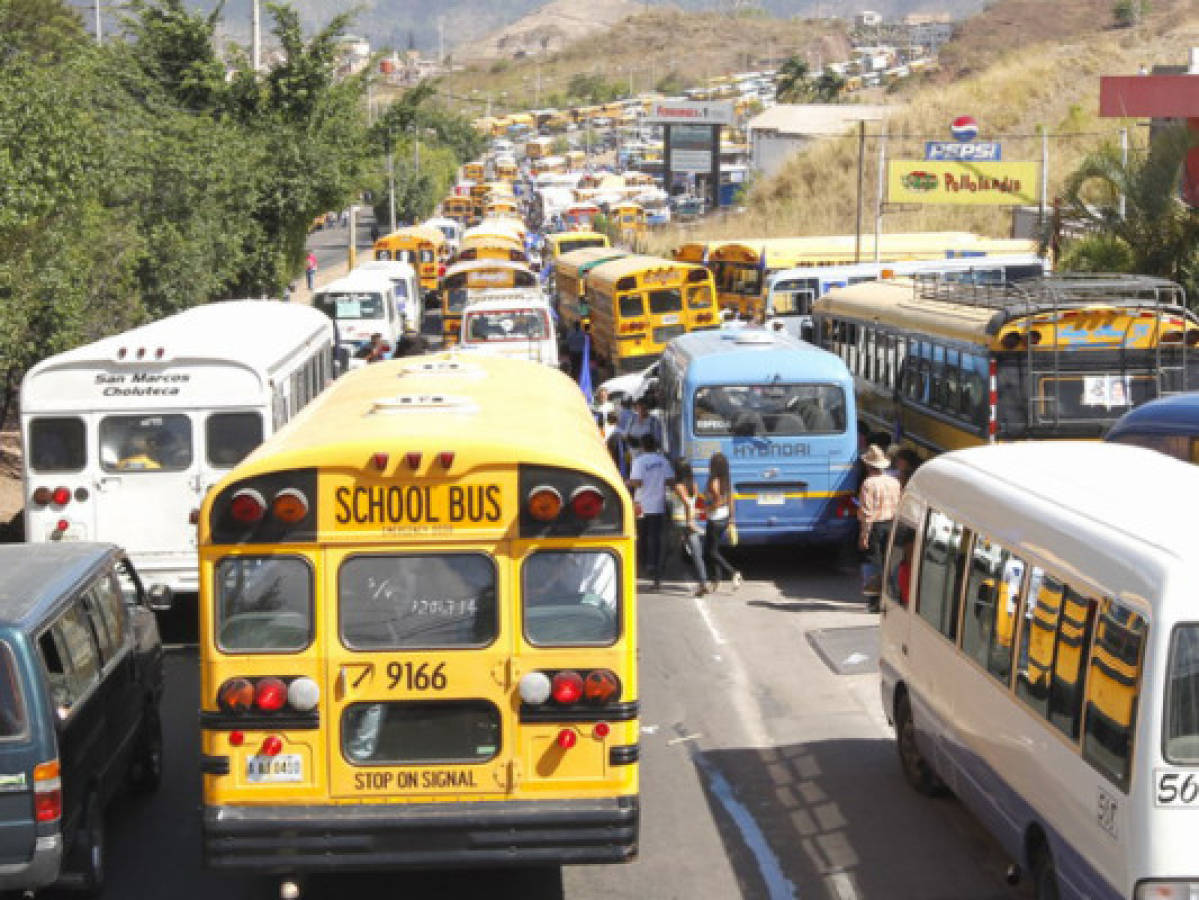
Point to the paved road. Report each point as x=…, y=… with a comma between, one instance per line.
x=765, y=773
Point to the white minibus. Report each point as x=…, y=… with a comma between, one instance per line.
x=1040, y=658
x=405, y=286
x=451, y=228
x=515, y=323
x=124, y=436
x=361, y=304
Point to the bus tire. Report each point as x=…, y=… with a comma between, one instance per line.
x=145, y=772
x=90, y=850
x=916, y=769
x=1044, y=872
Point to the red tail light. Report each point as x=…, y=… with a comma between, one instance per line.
x=380, y=461
x=602, y=730
x=601, y=686
x=236, y=695
x=587, y=502
x=413, y=460
x=62, y=496
x=270, y=695
x=845, y=508
x=544, y=503
x=446, y=459
x=290, y=506
x=237, y=738
x=567, y=688
x=272, y=746
x=42, y=496
x=47, y=792
x=247, y=506
x=567, y=738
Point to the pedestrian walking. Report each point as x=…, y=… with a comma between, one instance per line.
x=310, y=270
x=718, y=504
x=649, y=477
x=618, y=445
x=904, y=462
x=626, y=416
x=691, y=539
x=878, y=499
x=576, y=342
x=643, y=424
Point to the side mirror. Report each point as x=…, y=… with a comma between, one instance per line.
x=160, y=598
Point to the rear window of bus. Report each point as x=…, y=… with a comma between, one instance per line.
x=783, y=410
x=571, y=598
x=263, y=604
x=582, y=243
x=665, y=301
x=12, y=700
x=230, y=437
x=57, y=444
x=146, y=443
x=507, y=325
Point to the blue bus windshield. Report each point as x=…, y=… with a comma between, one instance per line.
x=769, y=410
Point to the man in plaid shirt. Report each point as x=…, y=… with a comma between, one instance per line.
x=878, y=499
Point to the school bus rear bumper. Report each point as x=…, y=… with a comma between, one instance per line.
x=294, y=839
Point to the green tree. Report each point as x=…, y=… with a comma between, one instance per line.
x=792, y=83
x=1128, y=13
x=1159, y=232
x=828, y=87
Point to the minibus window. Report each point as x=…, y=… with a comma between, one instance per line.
x=777, y=410
x=992, y=600
x=941, y=570
x=57, y=445
x=1043, y=609
x=1069, y=676
x=231, y=436
x=571, y=598
x=418, y=732
x=263, y=603
x=393, y=602
x=1113, y=685
x=900, y=563
x=145, y=443
x=12, y=698
x=1182, y=698
x=665, y=301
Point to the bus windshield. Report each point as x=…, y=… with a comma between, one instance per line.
x=1182, y=698
x=506, y=325
x=12, y=705
x=350, y=305
x=1088, y=396
x=794, y=297
x=782, y=410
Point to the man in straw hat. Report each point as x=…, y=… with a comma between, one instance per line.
x=878, y=499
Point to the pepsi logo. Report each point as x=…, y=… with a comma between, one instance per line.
x=964, y=128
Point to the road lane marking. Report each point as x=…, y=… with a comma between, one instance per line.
x=706, y=615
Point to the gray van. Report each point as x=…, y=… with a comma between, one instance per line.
x=80, y=683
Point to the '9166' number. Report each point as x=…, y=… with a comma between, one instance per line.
x=422, y=677
x=1176, y=788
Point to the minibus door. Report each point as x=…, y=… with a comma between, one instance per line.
x=419, y=658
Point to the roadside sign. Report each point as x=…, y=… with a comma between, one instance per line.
x=690, y=112
x=964, y=151
x=962, y=183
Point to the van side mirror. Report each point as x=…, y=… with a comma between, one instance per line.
x=160, y=597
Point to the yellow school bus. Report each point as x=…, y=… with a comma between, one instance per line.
x=639, y=303
x=506, y=171
x=418, y=631
x=465, y=278
x=629, y=219
x=457, y=207
x=560, y=243
x=570, y=281
x=500, y=206
x=576, y=160
x=422, y=246
x=474, y=171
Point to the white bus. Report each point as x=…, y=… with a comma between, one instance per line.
x=515, y=323
x=1040, y=658
x=791, y=292
x=124, y=436
x=405, y=287
x=361, y=304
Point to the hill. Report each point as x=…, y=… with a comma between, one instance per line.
x=1050, y=85
x=549, y=28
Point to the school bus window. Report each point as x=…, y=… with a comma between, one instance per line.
x=1069, y=674
x=631, y=305
x=145, y=443
x=1042, y=611
x=941, y=570
x=395, y=602
x=952, y=393
x=57, y=444
x=571, y=598
x=1113, y=686
x=699, y=297
x=420, y=732
x=665, y=301
x=1182, y=698
x=230, y=437
x=263, y=604
x=937, y=370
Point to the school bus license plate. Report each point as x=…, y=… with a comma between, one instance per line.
x=284, y=767
x=772, y=499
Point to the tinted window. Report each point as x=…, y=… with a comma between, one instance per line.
x=769, y=409
x=1038, y=643
x=1182, y=698
x=941, y=568
x=112, y=607
x=12, y=698
x=453, y=731
x=631, y=305
x=394, y=602
x=699, y=297
x=106, y=642
x=571, y=598
x=665, y=301
x=1090, y=397
x=70, y=658
x=57, y=445
x=1113, y=687
x=145, y=443
x=263, y=603
x=507, y=325
x=231, y=436
x=992, y=597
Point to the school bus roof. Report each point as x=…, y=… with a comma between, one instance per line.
x=578, y=261
x=607, y=274
x=403, y=236
x=486, y=409
x=559, y=237
x=475, y=265
x=792, y=251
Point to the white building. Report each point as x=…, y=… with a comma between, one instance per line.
x=868, y=18
x=782, y=130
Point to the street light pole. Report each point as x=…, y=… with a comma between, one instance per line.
x=99, y=27
x=255, y=36
x=391, y=181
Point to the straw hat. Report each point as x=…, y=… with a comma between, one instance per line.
x=875, y=458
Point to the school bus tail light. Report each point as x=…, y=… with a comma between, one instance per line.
x=270, y=694
x=290, y=506
x=247, y=506
x=544, y=503
x=61, y=496
x=446, y=458
x=586, y=502
x=47, y=791
x=567, y=738
x=413, y=459
x=601, y=686
x=534, y=688
x=272, y=746
x=236, y=695
x=567, y=688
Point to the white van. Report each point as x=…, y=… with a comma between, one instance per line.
x=405, y=285
x=1039, y=653
x=451, y=228
x=513, y=323
x=123, y=437
x=361, y=304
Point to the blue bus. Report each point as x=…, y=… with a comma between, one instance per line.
x=1169, y=425
x=783, y=413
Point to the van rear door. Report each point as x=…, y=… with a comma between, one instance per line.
x=18, y=831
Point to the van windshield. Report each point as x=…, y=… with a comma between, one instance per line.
x=506, y=325
x=343, y=305
x=12, y=701
x=782, y=410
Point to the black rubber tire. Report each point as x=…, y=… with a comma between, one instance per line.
x=145, y=769
x=1044, y=874
x=916, y=769
x=90, y=851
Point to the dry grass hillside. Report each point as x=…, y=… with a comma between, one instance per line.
x=549, y=28
x=1055, y=87
x=644, y=48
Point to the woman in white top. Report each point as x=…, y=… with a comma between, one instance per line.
x=693, y=545
x=718, y=501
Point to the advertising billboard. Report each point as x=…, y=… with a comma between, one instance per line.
x=962, y=183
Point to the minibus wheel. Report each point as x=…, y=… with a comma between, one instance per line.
x=916, y=769
x=1044, y=873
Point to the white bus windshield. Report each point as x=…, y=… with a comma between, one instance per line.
x=350, y=305
x=506, y=325
x=783, y=410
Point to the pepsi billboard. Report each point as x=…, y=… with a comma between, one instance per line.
x=963, y=151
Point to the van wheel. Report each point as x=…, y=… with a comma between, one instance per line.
x=916, y=769
x=145, y=771
x=1044, y=874
x=89, y=848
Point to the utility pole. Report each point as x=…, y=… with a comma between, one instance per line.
x=391, y=181
x=99, y=27
x=255, y=36
x=857, y=244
